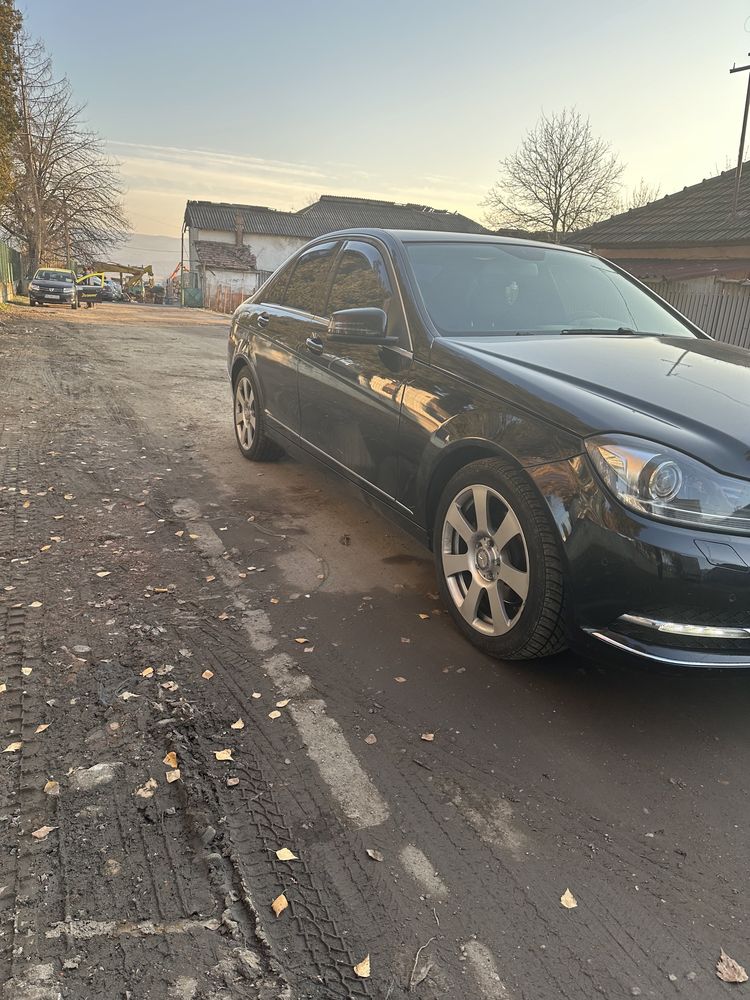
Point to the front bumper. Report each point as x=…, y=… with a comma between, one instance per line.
x=628, y=576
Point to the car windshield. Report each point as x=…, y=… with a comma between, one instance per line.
x=495, y=289
x=53, y=276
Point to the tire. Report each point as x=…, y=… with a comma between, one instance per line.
x=508, y=597
x=249, y=422
x=32, y=303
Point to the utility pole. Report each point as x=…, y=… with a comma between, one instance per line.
x=68, y=262
x=738, y=175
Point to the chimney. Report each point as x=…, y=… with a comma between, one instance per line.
x=239, y=228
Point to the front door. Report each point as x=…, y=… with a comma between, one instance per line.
x=280, y=327
x=350, y=395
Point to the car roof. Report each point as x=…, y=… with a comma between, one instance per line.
x=432, y=236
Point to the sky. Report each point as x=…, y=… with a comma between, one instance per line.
x=276, y=102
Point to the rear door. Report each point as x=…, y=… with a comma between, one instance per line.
x=278, y=326
x=350, y=394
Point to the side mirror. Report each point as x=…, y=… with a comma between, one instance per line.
x=360, y=326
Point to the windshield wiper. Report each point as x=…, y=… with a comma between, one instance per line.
x=600, y=330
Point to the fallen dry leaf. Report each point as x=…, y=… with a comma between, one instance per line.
x=128, y=696
x=223, y=754
x=428, y=737
x=274, y=715
x=146, y=791
x=568, y=900
x=223, y=616
x=400, y=680
x=171, y=759
x=45, y=548
x=404, y=639
x=26, y=671
x=12, y=747
x=210, y=579
x=52, y=788
x=233, y=781
x=284, y=854
x=302, y=642
x=193, y=536
x=239, y=724
x=3, y=688
x=362, y=969
x=68, y=496
x=174, y=775
x=148, y=672
x=257, y=694
x=42, y=727
x=170, y=685
x=43, y=832
x=424, y=617
x=207, y=675
x=284, y=703
x=279, y=904
x=375, y=855
x=274, y=600
x=730, y=971
x=161, y=590
x=35, y=604
x=104, y=572
x=371, y=739
x=179, y=533
x=57, y=517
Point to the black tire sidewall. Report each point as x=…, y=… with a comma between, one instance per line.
x=515, y=643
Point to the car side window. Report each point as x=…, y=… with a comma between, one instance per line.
x=361, y=279
x=273, y=293
x=306, y=288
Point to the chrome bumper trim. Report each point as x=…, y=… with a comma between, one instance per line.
x=694, y=631
x=671, y=657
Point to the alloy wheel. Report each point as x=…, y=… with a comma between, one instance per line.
x=244, y=413
x=485, y=560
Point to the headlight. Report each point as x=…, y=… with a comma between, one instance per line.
x=670, y=486
x=33, y=287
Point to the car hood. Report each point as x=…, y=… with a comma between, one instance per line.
x=691, y=394
x=51, y=286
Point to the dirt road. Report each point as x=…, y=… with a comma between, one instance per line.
x=162, y=602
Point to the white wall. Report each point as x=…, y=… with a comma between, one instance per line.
x=270, y=251
x=236, y=281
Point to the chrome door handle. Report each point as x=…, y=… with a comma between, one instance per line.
x=315, y=345
x=262, y=319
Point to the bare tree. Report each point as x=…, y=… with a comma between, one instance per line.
x=67, y=199
x=561, y=178
x=642, y=194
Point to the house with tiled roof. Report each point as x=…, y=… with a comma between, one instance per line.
x=692, y=234
x=240, y=245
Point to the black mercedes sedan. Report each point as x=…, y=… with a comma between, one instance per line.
x=574, y=451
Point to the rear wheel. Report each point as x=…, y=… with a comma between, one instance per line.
x=498, y=563
x=249, y=422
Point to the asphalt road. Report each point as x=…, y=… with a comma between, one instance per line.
x=627, y=787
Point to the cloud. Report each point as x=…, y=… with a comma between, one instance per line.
x=160, y=179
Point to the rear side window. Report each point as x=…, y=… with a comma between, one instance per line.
x=361, y=280
x=306, y=288
x=273, y=293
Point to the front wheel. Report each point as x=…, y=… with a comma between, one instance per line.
x=498, y=563
x=249, y=421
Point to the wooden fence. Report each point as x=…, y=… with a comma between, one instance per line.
x=722, y=308
x=223, y=299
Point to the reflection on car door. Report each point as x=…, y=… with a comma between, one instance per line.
x=280, y=327
x=350, y=394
